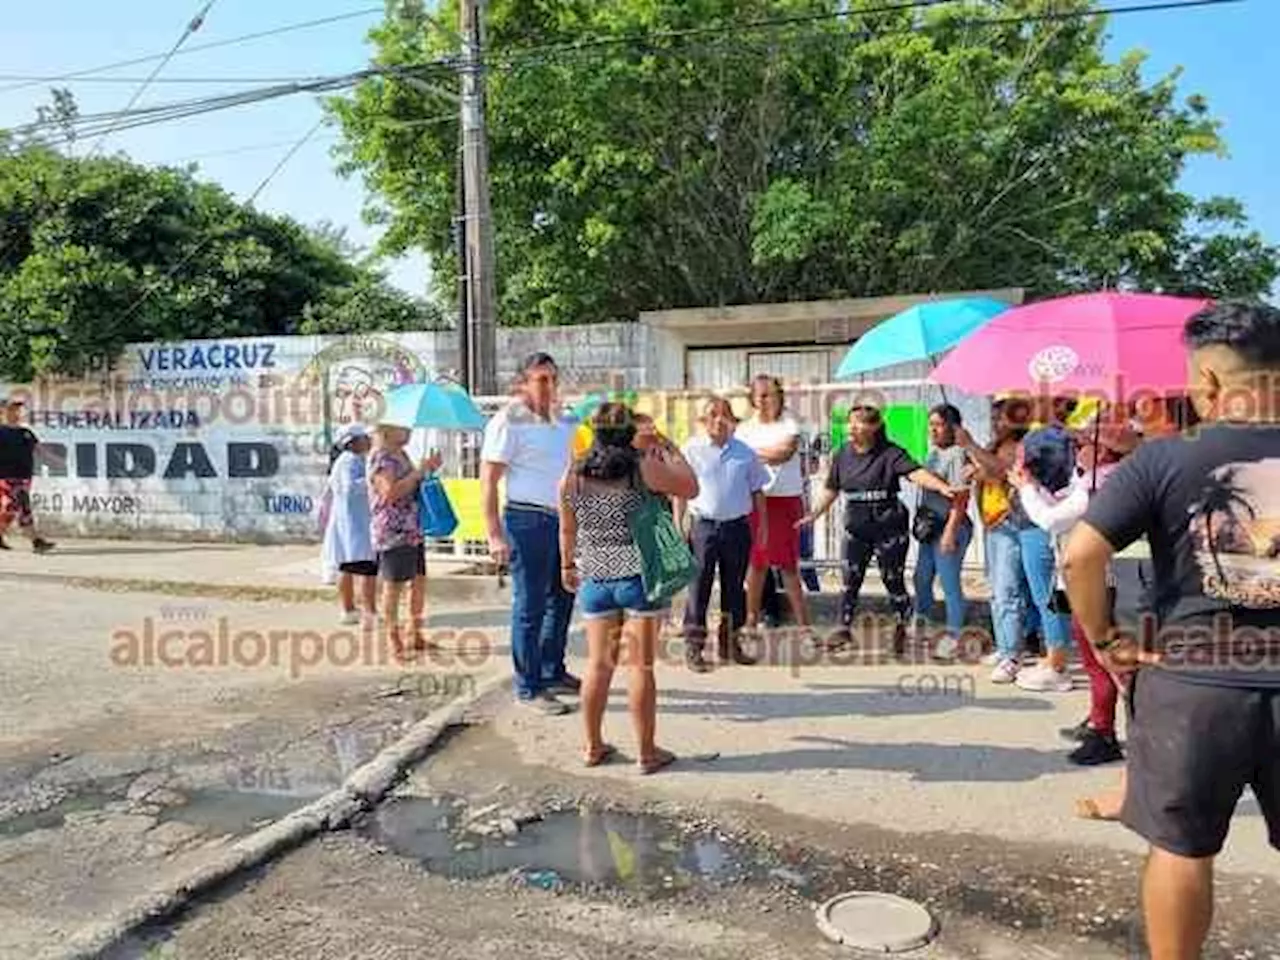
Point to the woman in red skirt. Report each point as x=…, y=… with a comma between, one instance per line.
x=774, y=434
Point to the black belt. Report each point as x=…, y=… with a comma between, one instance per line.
x=868, y=496
x=532, y=508
x=698, y=518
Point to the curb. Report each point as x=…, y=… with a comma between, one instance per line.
x=361, y=791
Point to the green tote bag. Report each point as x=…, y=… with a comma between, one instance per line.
x=667, y=564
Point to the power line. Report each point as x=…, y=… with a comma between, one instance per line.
x=193, y=25
x=513, y=55
x=232, y=41
x=154, y=80
x=266, y=181
x=254, y=147
x=151, y=115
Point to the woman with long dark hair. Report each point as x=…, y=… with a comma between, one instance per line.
x=867, y=472
x=600, y=493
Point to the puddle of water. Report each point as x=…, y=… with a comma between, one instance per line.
x=94, y=796
x=642, y=854
x=223, y=812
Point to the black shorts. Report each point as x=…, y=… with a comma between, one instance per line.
x=360, y=568
x=401, y=564
x=1192, y=750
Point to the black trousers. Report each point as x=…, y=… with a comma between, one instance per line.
x=724, y=546
x=884, y=537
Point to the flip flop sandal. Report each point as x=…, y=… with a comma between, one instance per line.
x=1087, y=809
x=659, y=761
x=601, y=756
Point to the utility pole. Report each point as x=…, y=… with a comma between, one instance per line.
x=481, y=288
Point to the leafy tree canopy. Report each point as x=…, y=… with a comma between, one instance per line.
x=96, y=253
x=642, y=158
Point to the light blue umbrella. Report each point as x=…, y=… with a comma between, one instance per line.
x=918, y=333
x=437, y=406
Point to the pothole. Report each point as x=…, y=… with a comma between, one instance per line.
x=636, y=852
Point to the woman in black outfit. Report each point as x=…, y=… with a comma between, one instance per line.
x=867, y=472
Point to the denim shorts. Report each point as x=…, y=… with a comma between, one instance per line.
x=607, y=598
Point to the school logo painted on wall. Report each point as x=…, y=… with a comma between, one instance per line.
x=1053, y=364
x=355, y=372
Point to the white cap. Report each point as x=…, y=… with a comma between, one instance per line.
x=349, y=432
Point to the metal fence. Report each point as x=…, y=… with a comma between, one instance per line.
x=675, y=414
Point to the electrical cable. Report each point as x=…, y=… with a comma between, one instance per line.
x=266, y=181
x=193, y=25
x=232, y=41
x=512, y=56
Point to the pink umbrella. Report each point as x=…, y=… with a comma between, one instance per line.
x=1110, y=345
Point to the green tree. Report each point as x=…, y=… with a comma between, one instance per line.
x=644, y=159
x=96, y=253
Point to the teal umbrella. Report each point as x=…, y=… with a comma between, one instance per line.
x=589, y=404
x=918, y=333
x=437, y=406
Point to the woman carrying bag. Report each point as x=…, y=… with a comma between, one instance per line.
x=611, y=523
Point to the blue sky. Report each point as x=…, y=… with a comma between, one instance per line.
x=1217, y=47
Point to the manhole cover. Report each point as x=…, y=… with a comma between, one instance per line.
x=876, y=921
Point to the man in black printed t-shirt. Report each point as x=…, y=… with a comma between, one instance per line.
x=1205, y=695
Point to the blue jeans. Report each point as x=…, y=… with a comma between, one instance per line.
x=541, y=607
x=932, y=561
x=1020, y=560
x=1041, y=570
x=1004, y=573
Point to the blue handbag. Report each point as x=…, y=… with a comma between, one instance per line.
x=435, y=512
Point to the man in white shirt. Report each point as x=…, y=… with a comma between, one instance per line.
x=731, y=480
x=530, y=447
x=774, y=435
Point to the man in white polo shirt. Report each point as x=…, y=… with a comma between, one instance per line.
x=529, y=446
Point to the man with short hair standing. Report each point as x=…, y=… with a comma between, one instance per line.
x=17, y=468
x=1205, y=688
x=731, y=482
x=529, y=446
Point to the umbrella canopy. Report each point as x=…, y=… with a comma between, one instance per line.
x=1108, y=345
x=918, y=333
x=438, y=406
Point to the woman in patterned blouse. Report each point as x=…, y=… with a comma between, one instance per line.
x=600, y=492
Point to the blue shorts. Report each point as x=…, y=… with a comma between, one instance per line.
x=608, y=598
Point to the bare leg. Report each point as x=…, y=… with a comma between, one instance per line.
x=369, y=592
x=417, y=609
x=1177, y=904
x=642, y=641
x=755, y=595
x=795, y=594
x=347, y=592
x=391, y=592
x=603, y=634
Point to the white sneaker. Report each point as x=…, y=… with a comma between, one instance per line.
x=351, y=618
x=992, y=659
x=1006, y=671
x=946, y=648
x=1045, y=680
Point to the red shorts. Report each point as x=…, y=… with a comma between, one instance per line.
x=783, y=549
x=15, y=502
